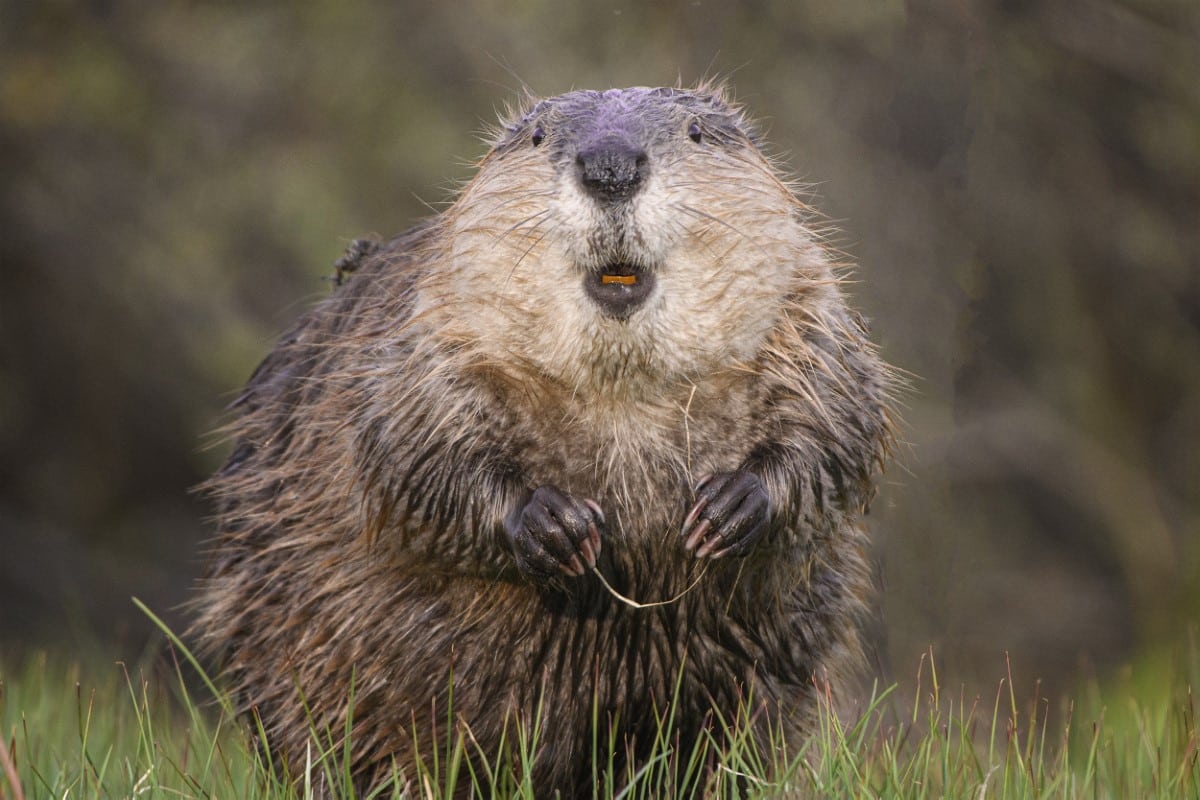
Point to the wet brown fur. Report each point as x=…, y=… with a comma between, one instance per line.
x=381, y=444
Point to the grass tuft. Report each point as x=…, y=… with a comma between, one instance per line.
x=75, y=729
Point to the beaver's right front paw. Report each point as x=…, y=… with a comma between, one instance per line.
x=553, y=532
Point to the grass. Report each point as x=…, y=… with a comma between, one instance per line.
x=109, y=731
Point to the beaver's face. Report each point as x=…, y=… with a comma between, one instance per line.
x=616, y=156
x=629, y=229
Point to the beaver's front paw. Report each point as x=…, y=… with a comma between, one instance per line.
x=729, y=516
x=554, y=532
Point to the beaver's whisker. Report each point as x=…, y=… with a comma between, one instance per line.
x=729, y=226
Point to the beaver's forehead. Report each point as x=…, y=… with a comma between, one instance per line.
x=638, y=100
x=638, y=105
x=639, y=114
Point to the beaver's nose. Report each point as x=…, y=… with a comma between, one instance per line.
x=612, y=170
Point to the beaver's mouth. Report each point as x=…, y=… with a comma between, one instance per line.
x=618, y=288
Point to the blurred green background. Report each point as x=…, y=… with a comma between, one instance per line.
x=1018, y=181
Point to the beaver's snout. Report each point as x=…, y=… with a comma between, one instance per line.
x=612, y=169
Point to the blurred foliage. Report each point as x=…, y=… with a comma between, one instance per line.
x=1018, y=181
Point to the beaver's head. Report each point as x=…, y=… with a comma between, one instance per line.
x=626, y=233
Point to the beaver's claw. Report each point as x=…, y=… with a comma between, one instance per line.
x=729, y=515
x=554, y=533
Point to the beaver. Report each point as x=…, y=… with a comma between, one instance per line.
x=588, y=449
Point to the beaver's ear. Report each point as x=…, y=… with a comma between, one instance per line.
x=354, y=257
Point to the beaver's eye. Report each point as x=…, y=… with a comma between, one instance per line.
x=537, y=136
x=694, y=132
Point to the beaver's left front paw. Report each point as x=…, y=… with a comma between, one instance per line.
x=729, y=516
